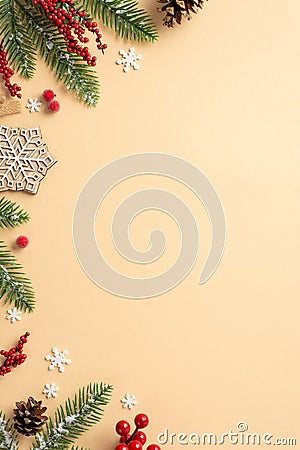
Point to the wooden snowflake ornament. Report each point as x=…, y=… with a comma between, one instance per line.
x=24, y=159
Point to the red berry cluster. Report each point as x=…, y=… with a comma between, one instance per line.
x=53, y=105
x=14, y=89
x=138, y=438
x=15, y=356
x=72, y=24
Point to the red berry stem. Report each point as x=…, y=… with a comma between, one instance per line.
x=14, y=89
x=15, y=356
x=132, y=436
x=72, y=24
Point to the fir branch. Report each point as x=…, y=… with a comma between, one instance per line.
x=124, y=17
x=70, y=69
x=85, y=410
x=16, y=43
x=14, y=286
x=11, y=214
x=8, y=439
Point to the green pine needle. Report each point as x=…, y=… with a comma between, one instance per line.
x=78, y=415
x=70, y=69
x=17, y=44
x=11, y=214
x=8, y=440
x=124, y=17
x=14, y=286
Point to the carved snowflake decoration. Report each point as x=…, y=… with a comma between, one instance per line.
x=129, y=60
x=24, y=159
x=58, y=359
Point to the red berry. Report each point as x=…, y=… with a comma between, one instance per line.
x=124, y=439
x=153, y=447
x=140, y=436
x=122, y=428
x=54, y=106
x=141, y=421
x=22, y=241
x=121, y=447
x=135, y=445
x=48, y=95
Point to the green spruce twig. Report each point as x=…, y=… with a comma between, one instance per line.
x=124, y=17
x=25, y=30
x=71, y=421
x=70, y=69
x=17, y=44
x=14, y=286
x=11, y=215
x=8, y=440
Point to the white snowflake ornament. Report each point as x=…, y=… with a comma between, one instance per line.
x=129, y=60
x=129, y=401
x=50, y=390
x=13, y=315
x=58, y=359
x=24, y=159
x=34, y=105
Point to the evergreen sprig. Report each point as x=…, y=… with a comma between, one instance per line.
x=70, y=69
x=8, y=440
x=25, y=31
x=11, y=214
x=15, y=287
x=124, y=16
x=17, y=44
x=78, y=415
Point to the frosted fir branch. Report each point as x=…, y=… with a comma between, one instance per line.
x=77, y=417
x=76, y=76
x=14, y=286
x=17, y=45
x=7, y=438
x=125, y=17
x=11, y=214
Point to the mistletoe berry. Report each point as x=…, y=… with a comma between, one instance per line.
x=140, y=436
x=135, y=445
x=48, y=95
x=141, y=421
x=22, y=241
x=122, y=428
x=54, y=106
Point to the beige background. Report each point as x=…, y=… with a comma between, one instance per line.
x=222, y=92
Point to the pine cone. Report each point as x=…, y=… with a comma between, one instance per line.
x=176, y=9
x=28, y=417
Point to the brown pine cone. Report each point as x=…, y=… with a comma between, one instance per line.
x=176, y=9
x=28, y=417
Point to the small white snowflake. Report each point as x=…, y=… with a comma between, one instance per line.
x=129, y=401
x=50, y=390
x=33, y=105
x=129, y=60
x=13, y=315
x=58, y=359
